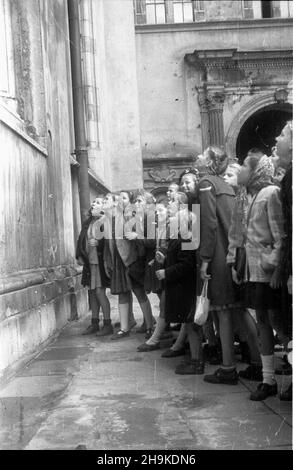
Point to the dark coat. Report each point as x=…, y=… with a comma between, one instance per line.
x=180, y=282
x=286, y=196
x=81, y=252
x=216, y=199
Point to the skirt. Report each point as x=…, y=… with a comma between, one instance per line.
x=151, y=282
x=260, y=296
x=120, y=281
x=98, y=276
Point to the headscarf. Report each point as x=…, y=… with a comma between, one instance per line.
x=218, y=161
x=260, y=177
x=263, y=174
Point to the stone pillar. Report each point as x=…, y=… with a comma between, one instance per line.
x=216, y=125
x=204, y=114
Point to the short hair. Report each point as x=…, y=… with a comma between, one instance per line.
x=219, y=159
x=189, y=171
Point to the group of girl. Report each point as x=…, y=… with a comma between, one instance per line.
x=244, y=253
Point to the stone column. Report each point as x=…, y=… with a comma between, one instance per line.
x=204, y=114
x=216, y=125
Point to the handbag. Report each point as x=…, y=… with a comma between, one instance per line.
x=202, y=306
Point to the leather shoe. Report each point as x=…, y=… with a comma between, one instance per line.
x=173, y=353
x=148, y=347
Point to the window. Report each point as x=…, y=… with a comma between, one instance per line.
x=266, y=9
x=155, y=11
x=198, y=8
x=247, y=7
x=140, y=11
x=183, y=11
x=7, y=86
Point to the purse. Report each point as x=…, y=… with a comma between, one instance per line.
x=202, y=306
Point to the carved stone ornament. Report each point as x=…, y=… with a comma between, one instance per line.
x=162, y=175
x=281, y=95
x=216, y=100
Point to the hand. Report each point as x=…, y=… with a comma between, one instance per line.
x=131, y=235
x=93, y=242
x=235, y=276
x=80, y=261
x=203, y=271
x=289, y=285
x=160, y=274
x=276, y=279
x=150, y=263
x=160, y=258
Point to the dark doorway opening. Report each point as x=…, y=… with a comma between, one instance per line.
x=262, y=128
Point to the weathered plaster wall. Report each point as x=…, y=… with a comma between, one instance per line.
x=40, y=282
x=168, y=101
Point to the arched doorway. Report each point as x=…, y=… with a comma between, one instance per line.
x=261, y=129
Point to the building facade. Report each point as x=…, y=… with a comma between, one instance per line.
x=210, y=72
x=161, y=80
x=40, y=208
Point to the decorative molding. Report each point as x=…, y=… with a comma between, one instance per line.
x=162, y=175
x=228, y=25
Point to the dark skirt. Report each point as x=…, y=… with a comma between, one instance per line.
x=136, y=273
x=260, y=296
x=120, y=281
x=151, y=282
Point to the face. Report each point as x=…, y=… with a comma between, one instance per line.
x=280, y=173
x=172, y=190
x=284, y=147
x=108, y=202
x=173, y=208
x=140, y=202
x=245, y=172
x=97, y=206
x=204, y=158
x=231, y=176
x=188, y=183
x=124, y=199
x=161, y=212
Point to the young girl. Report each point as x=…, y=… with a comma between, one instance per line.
x=98, y=278
x=216, y=199
x=263, y=241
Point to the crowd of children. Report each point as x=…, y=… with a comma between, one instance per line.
x=241, y=247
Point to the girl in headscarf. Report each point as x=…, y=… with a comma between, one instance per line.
x=263, y=237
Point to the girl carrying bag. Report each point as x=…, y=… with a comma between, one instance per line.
x=202, y=306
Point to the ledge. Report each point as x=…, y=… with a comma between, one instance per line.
x=33, y=277
x=96, y=182
x=15, y=124
x=214, y=25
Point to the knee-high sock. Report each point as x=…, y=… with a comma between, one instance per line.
x=179, y=343
x=268, y=370
x=124, y=316
x=160, y=327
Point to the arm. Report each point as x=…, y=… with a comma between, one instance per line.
x=208, y=221
x=276, y=224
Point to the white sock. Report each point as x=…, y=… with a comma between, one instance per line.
x=179, y=343
x=160, y=327
x=268, y=370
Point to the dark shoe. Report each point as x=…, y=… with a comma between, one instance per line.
x=120, y=334
x=285, y=369
x=264, y=391
x=190, y=367
x=106, y=330
x=252, y=372
x=91, y=329
x=171, y=353
x=148, y=347
x=287, y=395
x=149, y=333
x=142, y=328
x=220, y=376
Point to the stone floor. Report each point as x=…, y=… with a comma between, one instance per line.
x=100, y=394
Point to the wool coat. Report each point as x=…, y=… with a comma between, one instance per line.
x=216, y=199
x=180, y=282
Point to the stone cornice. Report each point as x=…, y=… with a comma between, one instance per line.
x=235, y=59
x=212, y=25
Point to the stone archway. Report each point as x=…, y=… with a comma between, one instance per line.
x=255, y=105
